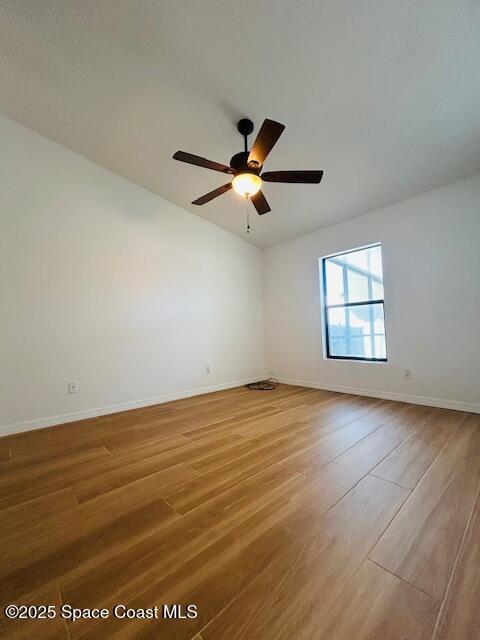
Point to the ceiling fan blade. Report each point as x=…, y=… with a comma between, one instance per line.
x=183, y=156
x=213, y=194
x=269, y=133
x=303, y=177
x=260, y=203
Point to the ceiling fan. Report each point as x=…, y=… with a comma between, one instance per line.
x=245, y=167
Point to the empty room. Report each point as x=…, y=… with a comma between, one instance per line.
x=241, y=406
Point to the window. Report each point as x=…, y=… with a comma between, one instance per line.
x=353, y=299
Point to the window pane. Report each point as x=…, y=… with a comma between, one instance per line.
x=354, y=277
x=357, y=332
x=334, y=278
x=339, y=346
x=357, y=286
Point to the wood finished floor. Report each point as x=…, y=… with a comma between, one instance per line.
x=295, y=514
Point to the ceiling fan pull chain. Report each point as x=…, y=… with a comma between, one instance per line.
x=247, y=211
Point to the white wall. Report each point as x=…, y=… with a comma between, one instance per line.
x=104, y=283
x=431, y=261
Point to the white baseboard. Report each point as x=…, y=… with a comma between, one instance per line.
x=41, y=423
x=387, y=395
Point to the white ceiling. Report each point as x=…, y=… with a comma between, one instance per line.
x=383, y=95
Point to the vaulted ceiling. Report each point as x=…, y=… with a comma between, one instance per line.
x=384, y=96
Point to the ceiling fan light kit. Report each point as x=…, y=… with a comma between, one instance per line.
x=246, y=184
x=245, y=167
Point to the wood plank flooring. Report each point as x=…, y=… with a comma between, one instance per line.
x=295, y=514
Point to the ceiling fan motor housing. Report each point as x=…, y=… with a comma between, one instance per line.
x=240, y=163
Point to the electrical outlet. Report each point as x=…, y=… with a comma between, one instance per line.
x=73, y=387
x=207, y=368
x=408, y=374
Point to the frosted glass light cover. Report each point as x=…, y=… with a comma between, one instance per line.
x=247, y=184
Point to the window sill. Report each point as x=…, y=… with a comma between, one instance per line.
x=358, y=360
